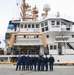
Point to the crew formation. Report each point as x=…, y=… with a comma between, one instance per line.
x=39, y=63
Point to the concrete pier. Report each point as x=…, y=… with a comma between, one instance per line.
x=9, y=69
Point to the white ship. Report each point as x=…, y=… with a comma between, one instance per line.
x=49, y=35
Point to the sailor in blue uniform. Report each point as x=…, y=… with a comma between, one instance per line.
x=42, y=63
x=35, y=59
x=39, y=62
x=28, y=63
x=51, y=62
x=46, y=62
x=23, y=60
x=31, y=63
x=18, y=65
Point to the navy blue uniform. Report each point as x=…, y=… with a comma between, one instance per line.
x=51, y=61
x=42, y=63
x=46, y=63
x=39, y=63
x=18, y=63
x=23, y=60
x=27, y=63
x=35, y=59
x=31, y=63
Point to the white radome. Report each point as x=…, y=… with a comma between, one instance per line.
x=46, y=7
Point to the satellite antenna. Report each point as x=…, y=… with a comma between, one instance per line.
x=46, y=8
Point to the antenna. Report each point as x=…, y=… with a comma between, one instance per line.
x=58, y=14
x=27, y=13
x=46, y=8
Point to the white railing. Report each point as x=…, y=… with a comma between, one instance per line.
x=28, y=38
x=61, y=38
x=34, y=30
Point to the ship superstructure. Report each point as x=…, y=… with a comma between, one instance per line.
x=50, y=35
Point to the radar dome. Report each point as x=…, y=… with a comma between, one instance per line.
x=10, y=26
x=46, y=7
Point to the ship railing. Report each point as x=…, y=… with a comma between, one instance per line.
x=61, y=38
x=27, y=37
x=26, y=51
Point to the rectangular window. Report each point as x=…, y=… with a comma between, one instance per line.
x=42, y=24
x=54, y=46
x=42, y=29
x=24, y=36
x=47, y=36
x=57, y=22
x=46, y=23
x=63, y=23
x=29, y=26
x=67, y=28
x=37, y=25
x=22, y=26
x=51, y=46
x=52, y=22
x=37, y=36
x=32, y=25
x=25, y=26
x=72, y=36
x=46, y=28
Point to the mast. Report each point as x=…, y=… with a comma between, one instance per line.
x=27, y=13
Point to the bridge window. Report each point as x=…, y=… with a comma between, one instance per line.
x=46, y=23
x=37, y=25
x=52, y=22
x=46, y=28
x=32, y=25
x=42, y=29
x=58, y=22
x=42, y=24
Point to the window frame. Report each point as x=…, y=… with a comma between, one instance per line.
x=46, y=23
x=42, y=24
x=57, y=22
x=47, y=36
x=43, y=29
x=52, y=22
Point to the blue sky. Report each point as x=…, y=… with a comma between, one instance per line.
x=9, y=9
